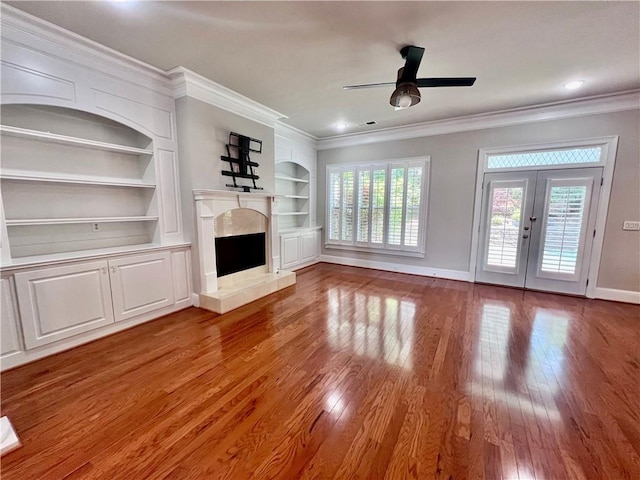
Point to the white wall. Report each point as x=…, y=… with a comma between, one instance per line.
x=452, y=188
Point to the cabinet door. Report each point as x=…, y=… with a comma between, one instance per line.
x=56, y=303
x=308, y=246
x=9, y=337
x=141, y=284
x=289, y=250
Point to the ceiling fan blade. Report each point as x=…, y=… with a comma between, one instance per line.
x=446, y=82
x=368, y=85
x=413, y=57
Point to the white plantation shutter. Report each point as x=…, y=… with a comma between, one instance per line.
x=412, y=209
x=334, y=204
x=564, y=227
x=377, y=206
x=505, y=214
x=364, y=204
x=379, y=189
x=348, y=210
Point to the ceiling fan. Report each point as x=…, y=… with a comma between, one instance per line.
x=406, y=93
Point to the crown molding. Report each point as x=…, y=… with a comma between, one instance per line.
x=629, y=100
x=23, y=29
x=185, y=82
x=295, y=134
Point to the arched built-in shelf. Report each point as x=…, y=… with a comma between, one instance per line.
x=74, y=181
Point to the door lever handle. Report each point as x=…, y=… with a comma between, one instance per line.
x=526, y=228
x=533, y=219
x=525, y=236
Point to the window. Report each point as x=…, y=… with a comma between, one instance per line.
x=570, y=156
x=378, y=206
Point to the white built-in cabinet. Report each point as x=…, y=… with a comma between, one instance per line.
x=56, y=303
x=90, y=222
x=299, y=247
x=296, y=160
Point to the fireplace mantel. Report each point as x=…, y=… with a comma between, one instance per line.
x=212, y=203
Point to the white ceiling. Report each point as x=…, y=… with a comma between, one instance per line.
x=294, y=57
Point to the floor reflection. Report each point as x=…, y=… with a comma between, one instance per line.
x=520, y=364
x=375, y=326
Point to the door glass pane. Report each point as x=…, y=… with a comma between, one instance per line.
x=334, y=206
x=563, y=227
x=412, y=222
x=377, y=206
x=505, y=212
x=364, y=202
x=395, y=205
x=348, y=180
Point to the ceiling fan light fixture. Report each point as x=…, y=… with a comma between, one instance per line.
x=405, y=95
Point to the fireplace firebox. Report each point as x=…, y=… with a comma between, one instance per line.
x=240, y=252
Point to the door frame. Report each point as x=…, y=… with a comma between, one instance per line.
x=609, y=147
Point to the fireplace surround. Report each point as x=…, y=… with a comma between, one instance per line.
x=223, y=293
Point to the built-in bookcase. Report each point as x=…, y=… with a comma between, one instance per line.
x=292, y=182
x=74, y=182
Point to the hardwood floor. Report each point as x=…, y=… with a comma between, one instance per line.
x=352, y=373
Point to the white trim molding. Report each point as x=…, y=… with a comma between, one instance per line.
x=295, y=134
x=188, y=83
x=399, y=268
x=629, y=100
x=626, y=296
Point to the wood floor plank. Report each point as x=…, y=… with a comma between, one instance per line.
x=351, y=373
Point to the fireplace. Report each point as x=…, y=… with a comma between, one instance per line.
x=237, y=247
x=240, y=252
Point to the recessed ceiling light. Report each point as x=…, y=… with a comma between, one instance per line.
x=341, y=126
x=574, y=85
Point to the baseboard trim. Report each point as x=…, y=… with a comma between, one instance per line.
x=626, y=296
x=400, y=268
x=195, y=300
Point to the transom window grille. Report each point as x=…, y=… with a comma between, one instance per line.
x=378, y=206
x=583, y=155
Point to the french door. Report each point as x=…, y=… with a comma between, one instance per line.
x=537, y=228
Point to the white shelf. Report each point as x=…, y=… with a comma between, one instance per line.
x=304, y=197
x=72, y=179
x=291, y=179
x=74, y=141
x=293, y=213
x=53, y=258
x=66, y=221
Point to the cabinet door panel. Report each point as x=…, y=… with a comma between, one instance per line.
x=56, y=303
x=9, y=336
x=289, y=250
x=141, y=284
x=308, y=242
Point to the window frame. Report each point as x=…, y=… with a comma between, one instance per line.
x=385, y=247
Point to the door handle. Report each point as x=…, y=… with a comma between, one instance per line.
x=526, y=228
x=525, y=236
x=533, y=219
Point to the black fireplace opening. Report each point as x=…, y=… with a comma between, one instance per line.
x=240, y=252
